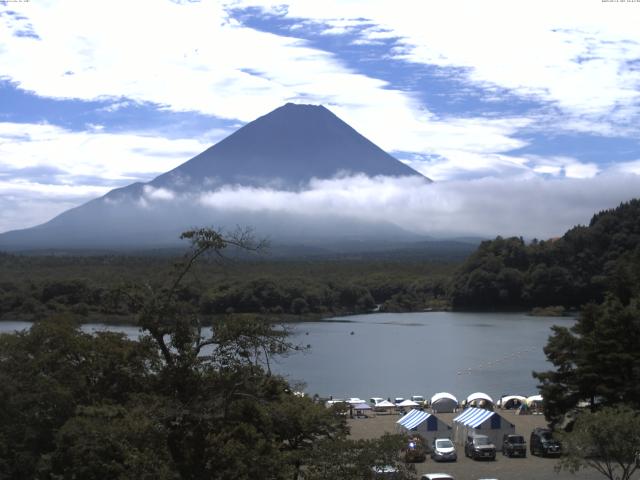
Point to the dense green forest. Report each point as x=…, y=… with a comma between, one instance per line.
x=506, y=273
x=91, y=287
x=580, y=267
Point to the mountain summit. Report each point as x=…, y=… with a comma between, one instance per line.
x=285, y=149
x=281, y=151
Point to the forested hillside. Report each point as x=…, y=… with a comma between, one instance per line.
x=580, y=267
x=91, y=287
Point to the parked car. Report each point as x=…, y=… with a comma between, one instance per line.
x=479, y=446
x=443, y=450
x=514, y=445
x=543, y=443
x=375, y=400
x=436, y=476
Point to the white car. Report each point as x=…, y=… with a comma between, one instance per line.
x=443, y=450
x=436, y=476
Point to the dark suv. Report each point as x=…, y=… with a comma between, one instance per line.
x=479, y=446
x=514, y=445
x=543, y=443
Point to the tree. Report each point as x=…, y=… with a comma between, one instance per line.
x=355, y=460
x=50, y=372
x=596, y=360
x=606, y=440
x=182, y=402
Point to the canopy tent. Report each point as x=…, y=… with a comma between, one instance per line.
x=444, y=402
x=534, y=403
x=509, y=402
x=533, y=400
x=360, y=408
x=407, y=403
x=425, y=424
x=384, y=406
x=479, y=399
x=478, y=421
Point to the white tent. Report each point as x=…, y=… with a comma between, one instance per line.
x=511, y=401
x=407, y=403
x=534, y=403
x=384, y=406
x=479, y=421
x=479, y=399
x=425, y=424
x=533, y=400
x=444, y=402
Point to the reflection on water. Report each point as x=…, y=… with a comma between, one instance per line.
x=372, y=355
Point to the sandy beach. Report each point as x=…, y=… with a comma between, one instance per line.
x=529, y=468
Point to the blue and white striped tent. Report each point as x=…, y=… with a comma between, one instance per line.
x=479, y=421
x=425, y=424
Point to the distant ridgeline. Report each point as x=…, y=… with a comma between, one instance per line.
x=582, y=266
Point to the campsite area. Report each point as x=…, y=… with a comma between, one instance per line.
x=529, y=468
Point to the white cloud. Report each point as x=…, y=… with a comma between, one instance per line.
x=533, y=207
x=562, y=166
x=193, y=57
x=158, y=193
x=627, y=167
x=116, y=158
x=25, y=204
x=573, y=54
x=78, y=166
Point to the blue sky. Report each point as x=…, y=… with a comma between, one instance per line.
x=519, y=110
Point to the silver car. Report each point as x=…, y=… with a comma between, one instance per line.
x=443, y=450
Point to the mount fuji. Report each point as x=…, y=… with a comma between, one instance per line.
x=284, y=151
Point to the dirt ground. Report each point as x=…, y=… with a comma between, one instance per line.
x=503, y=468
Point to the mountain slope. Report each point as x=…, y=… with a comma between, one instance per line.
x=283, y=150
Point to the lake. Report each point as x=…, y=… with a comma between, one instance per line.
x=391, y=354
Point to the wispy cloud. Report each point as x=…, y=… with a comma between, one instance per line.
x=578, y=57
x=28, y=150
x=533, y=207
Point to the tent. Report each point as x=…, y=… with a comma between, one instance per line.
x=384, y=406
x=479, y=399
x=444, y=402
x=407, y=403
x=425, y=424
x=479, y=421
x=360, y=409
x=534, y=402
x=511, y=401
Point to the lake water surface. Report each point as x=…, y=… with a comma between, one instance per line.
x=389, y=354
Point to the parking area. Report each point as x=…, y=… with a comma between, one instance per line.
x=528, y=468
